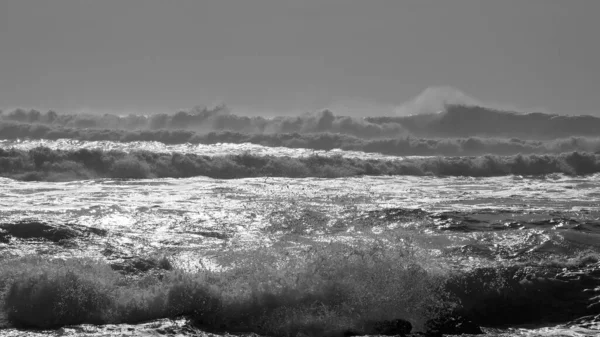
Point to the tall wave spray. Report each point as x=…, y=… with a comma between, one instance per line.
x=435, y=99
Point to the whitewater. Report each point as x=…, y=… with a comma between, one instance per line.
x=452, y=224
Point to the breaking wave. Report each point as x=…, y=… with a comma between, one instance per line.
x=453, y=120
x=216, y=119
x=43, y=163
x=327, y=289
x=397, y=146
x=324, y=290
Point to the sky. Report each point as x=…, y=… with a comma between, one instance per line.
x=283, y=56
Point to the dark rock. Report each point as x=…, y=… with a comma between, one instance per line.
x=61, y=234
x=36, y=230
x=351, y=333
x=395, y=327
x=529, y=294
x=451, y=325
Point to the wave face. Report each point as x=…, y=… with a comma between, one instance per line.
x=127, y=160
x=453, y=120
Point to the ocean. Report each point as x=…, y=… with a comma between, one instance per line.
x=517, y=254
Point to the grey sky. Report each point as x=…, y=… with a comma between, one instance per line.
x=288, y=56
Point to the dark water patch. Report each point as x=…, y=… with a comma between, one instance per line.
x=487, y=234
x=467, y=239
x=510, y=220
x=591, y=226
x=487, y=220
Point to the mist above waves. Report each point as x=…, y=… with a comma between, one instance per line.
x=451, y=121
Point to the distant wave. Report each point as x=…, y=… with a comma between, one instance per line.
x=46, y=164
x=396, y=146
x=216, y=119
x=452, y=121
x=467, y=121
